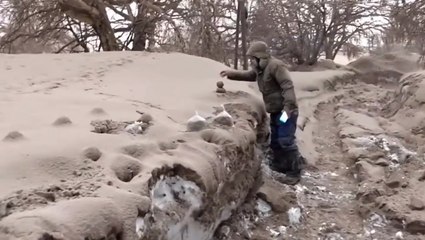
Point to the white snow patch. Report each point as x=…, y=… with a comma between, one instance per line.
x=263, y=208
x=140, y=227
x=377, y=220
x=174, y=202
x=168, y=191
x=134, y=128
x=294, y=215
x=399, y=235
x=280, y=232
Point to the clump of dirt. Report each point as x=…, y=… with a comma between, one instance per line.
x=220, y=87
x=98, y=111
x=126, y=168
x=13, y=136
x=107, y=126
x=62, y=121
x=145, y=118
x=116, y=127
x=92, y=153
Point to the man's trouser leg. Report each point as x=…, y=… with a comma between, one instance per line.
x=286, y=157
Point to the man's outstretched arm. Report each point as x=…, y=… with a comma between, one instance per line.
x=249, y=76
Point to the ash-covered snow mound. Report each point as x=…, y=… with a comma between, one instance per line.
x=160, y=181
x=401, y=62
x=385, y=68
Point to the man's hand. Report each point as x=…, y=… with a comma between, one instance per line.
x=287, y=112
x=224, y=73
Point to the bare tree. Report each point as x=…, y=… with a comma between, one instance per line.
x=29, y=22
x=93, y=13
x=86, y=22
x=208, y=29
x=298, y=30
x=407, y=26
x=302, y=30
x=200, y=27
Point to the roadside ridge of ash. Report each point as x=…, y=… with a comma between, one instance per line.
x=386, y=166
x=184, y=202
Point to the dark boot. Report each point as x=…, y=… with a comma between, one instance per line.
x=297, y=163
x=289, y=180
x=278, y=161
x=288, y=162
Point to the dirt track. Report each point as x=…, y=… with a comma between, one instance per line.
x=351, y=191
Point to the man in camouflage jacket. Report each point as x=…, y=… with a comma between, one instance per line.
x=277, y=89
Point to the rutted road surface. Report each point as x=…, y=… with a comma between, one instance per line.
x=365, y=183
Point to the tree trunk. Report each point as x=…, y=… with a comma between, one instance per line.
x=300, y=61
x=95, y=15
x=329, y=53
x=328, y=49
x=314, y=56
x=243, y=15
x=299, y=57
x=329, y=44
x=336, y=51
x=139, y=40
x=140, y=36
x=104, y=29
x=238, y=19
x=150, y=34
x=106, y=37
